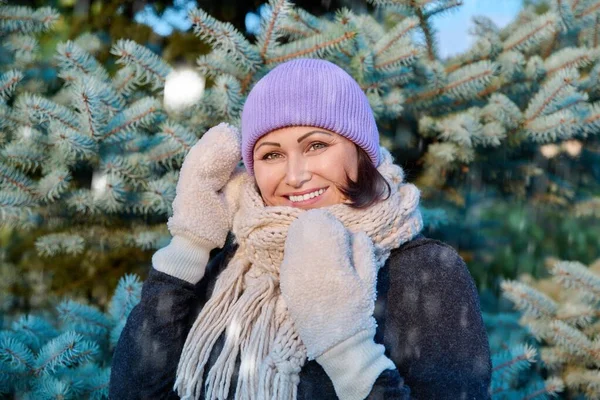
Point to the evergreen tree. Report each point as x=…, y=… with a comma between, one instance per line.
x=562, y=314
x=42, y=358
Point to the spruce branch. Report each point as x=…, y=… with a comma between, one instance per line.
x=25, y=158
x=17, y=181
x=485, y=48
x=398, y=32
x=370, y=29
x=33, y=331
x=125, y=81
x=511, y=362
x=529, y=300
x=70, y=145
x=570, y=57
x=38, y=360
x=160, y=194
x=401, y=54
x=322, y=45
x=573, y=274
x=8, y=83
x=503, y=110
x=443, y=8
x=224, y=37
x=531, y=35
x=59, y=243
x=24, y=48
x=562, y=124
x=573, y=341
x=590, y=9
x=550, y=387
x=552, y=94
x=270, y=30
x=67, y=350
x=143, y=112
x=300, y=23
x=112, y=197
x=26, y=19
x=81, y=201
x=126, y=296
x=582, y=380
x=175, y=142
x=87, y=99
x=463, y=83
x=15, y=356
x=215, y=64
x=72, y=57
x=36, y=109
x=132, y=167
x=54, y=184
x=148, y=67
x=83, y=319
x=49, y=387
x=592, y=120
x=227, y=97
x=428, y=31
x=577, y=314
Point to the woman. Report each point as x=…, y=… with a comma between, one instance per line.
x=325, y=288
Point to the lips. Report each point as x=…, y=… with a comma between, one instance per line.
x=309, y=201
x=305, y=192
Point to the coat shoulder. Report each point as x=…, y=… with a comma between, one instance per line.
x=423, y=244
x=424, y=253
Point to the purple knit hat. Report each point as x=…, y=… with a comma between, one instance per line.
x=308, y=92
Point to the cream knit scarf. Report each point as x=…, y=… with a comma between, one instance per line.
x=246, y=301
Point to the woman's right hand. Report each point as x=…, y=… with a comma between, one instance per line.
x=200, y=210
x=204, y=204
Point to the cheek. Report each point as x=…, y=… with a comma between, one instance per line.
x=338, y=165
x=266, y=179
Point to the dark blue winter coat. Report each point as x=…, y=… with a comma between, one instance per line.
x=428, y=317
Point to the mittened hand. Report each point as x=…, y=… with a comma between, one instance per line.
x=200, y=211
x=328, y=280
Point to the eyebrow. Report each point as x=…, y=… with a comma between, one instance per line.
x=301, y=138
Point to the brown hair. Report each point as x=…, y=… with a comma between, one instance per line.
x=369, y=185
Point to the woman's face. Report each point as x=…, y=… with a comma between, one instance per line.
x=299, y=160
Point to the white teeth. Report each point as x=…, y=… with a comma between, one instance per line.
x=306, y=196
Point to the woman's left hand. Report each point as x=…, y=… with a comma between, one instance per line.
x=328, y=280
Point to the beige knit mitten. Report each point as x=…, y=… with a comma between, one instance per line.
x=202, y=213
x=328, y=279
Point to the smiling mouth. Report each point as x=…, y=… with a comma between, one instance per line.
x=307, y=201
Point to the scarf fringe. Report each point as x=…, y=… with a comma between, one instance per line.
x=243, y=314
x=254, y=351
x=215, y=314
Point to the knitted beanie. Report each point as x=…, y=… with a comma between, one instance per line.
x=308, y=92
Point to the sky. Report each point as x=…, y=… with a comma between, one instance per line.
x=453, y=27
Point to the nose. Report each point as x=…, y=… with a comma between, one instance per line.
x=297, y=172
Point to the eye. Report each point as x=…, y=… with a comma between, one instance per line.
x=318, y=144
x=266, y=156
